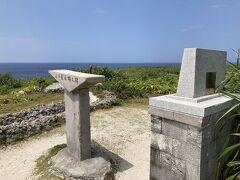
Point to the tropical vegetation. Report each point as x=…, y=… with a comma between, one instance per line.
x=229, y=158
x=126, y=83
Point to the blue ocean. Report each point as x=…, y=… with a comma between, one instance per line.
x=28, y=70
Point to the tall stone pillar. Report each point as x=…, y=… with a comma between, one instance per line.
x=75, y=160
x=77, y=111
x=185, y=140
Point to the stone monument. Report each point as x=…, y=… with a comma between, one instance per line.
x=75, y=161
x=185, y=140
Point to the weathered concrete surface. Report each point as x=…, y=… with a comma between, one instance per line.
x=77, y=110
x=77, y=113
x=90, y=169
x=185, y=139
x=198, y=108
x=182, y=151
x=75, y=161
x=196, y=63
x=72, y=80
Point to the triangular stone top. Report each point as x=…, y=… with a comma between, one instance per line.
x=72, y=80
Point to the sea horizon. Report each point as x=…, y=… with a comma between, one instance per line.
x=40, y=69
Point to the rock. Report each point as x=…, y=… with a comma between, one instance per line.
x=55, y=87
x=109, y=98
x=42, y=117
x=94, y=168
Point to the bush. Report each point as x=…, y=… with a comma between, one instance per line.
x=4, y=89
x=9, y=80
x=131, y=82
x=232, y=83
x=229, y=158
x=127, y=82
x=107, y=72
x=8, y=83
x=37, y=84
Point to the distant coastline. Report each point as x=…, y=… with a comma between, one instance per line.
x=28, y=70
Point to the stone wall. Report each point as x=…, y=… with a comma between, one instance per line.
x=185, y=152
x=15, y=126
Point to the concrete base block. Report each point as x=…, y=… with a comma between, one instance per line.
x=183, y=149
x=71, y=168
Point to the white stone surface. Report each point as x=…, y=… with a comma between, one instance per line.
x=195, y=64
x=202, y=108
x=196, y=100
x=72, y=80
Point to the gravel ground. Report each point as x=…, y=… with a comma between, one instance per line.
x=124, y=131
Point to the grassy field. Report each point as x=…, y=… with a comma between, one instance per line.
x=137, y=82
x=11, y=103
x=128, y=83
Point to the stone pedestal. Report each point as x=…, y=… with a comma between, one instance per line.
x=75, y=161
x=90, y=169
x=77, y=112
x=185, y=140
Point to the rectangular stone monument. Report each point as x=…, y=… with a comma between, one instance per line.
x=202, y=71
x=77, y=109
x=75, y=161
x=185, y=140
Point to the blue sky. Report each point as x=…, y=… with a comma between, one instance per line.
x=115, y=30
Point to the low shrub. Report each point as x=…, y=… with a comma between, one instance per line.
x=229, y=157
x=4, y=89
x=107, y=72
x=133, y=82
x=232, y=83
x=37, y=84
x=9, y=83
x=9, y=80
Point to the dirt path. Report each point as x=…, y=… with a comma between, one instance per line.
x=122, y=130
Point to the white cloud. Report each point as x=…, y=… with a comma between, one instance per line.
x=191, y=27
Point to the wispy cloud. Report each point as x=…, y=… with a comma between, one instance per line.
x=191, y=27
x=218, y=6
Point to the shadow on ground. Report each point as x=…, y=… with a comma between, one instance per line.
x=99, y=150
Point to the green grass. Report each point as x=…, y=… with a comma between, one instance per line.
x=135, y=82
x=15, y=103
x=111, y=174
x=10, y=84
x=127, y=83
x=42, y=170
